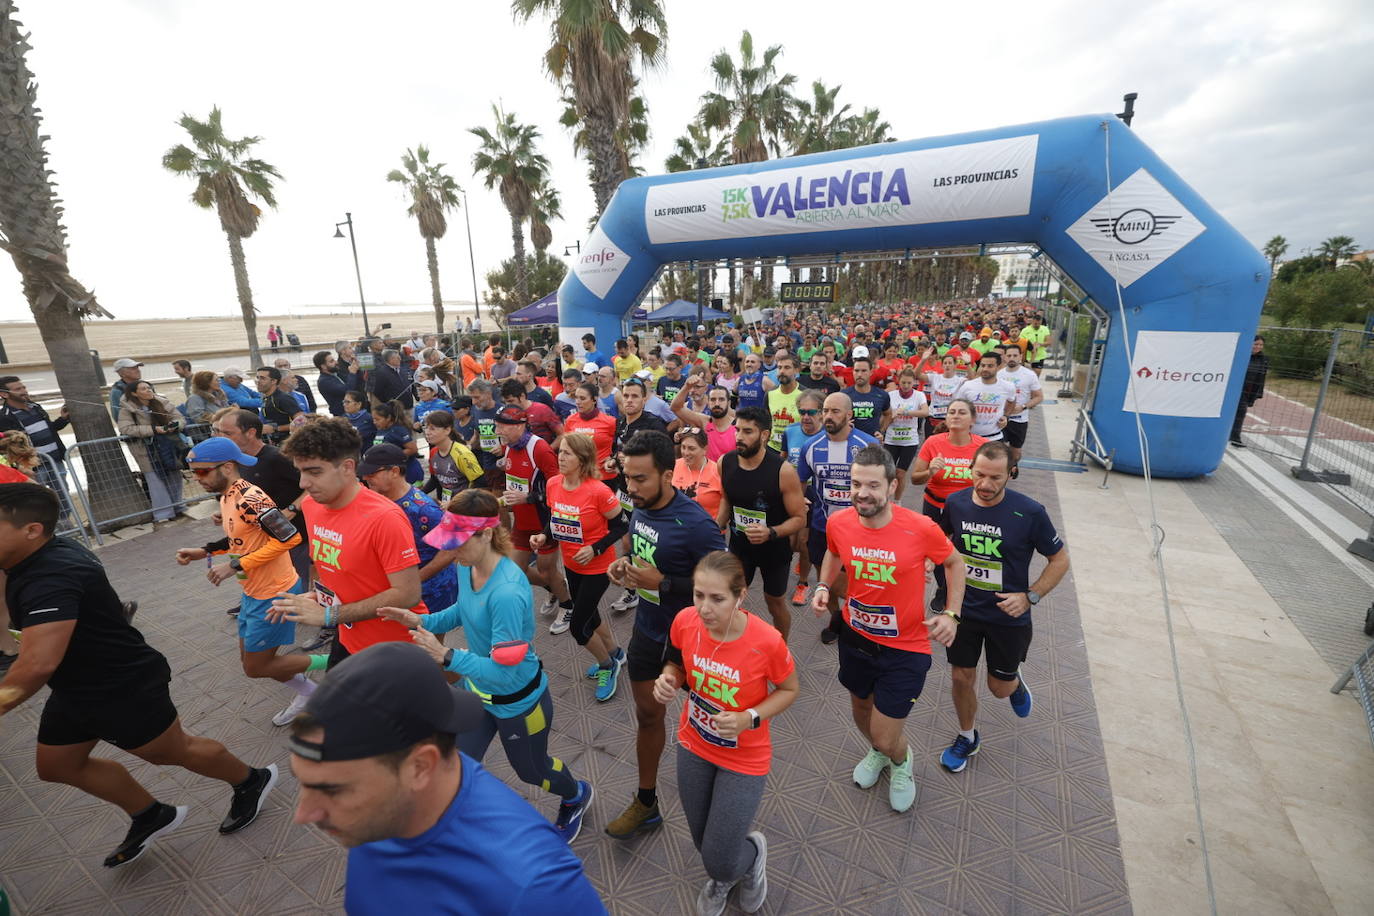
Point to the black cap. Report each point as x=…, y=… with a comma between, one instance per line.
x=385, y=698
x=462, y=400
x=381, y=456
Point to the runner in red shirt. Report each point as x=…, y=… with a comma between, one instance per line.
x=727, y=659
x=945, y=460
x=529, y=464
x=884, y=648
x=589, y=419
x=360, y=541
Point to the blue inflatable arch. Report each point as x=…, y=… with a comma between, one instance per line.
x=1086, y=190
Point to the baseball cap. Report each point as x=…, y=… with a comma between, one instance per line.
x=381, y=456
x=430, y=383
x=966, y=336
x=385, y=698
x=644, y=374
x=589, y=367
x=858, y=353
x=126, y=363
x=511, y=414
x=216, y=450
x=462, y=400
x=226, y=372
x=701, y=327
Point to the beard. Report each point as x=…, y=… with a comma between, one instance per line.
x=749, y=451
x=719, y=412
x=833, y=427
x=867, y=509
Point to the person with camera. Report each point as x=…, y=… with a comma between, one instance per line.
x=153, y=427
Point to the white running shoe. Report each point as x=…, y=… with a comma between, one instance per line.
x=626, y=602
x=561, y=623
x=550, y=606
x=290, y=712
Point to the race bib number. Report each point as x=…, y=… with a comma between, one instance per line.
x=625, y=504
x=566, y=528
x=901, y=435
x=518, y=484
x=648, y=594
x=325, y=597
x=699, y=713
x=746, y=517
x=875, y=620
x=836, y=493
x=486, y=435
x=984, y=573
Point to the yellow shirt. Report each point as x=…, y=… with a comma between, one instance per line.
x=1037, y=336
x=626, y=366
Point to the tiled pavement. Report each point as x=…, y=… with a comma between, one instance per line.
x=1029, y=827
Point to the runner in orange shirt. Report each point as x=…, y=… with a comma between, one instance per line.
x=944, y=461
x=884, y=647
x=588, y=419
x=256, y=549
x=727, y=659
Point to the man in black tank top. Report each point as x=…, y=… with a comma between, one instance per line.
x=762, y=508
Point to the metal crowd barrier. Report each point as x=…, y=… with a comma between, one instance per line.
x=1362, y=673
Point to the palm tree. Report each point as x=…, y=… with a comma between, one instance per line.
x=1337, y=249
x=545, y=206
x=594, y=50
x=223, y=170
x=631, y=136
x=867, y=129
x=696, y=146
x=508, y=159
x=1274, y=249
x=432, y=194
x=752, y=102
x=819, y=124
x=32, y=234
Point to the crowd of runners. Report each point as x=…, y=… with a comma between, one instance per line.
x=423, y=510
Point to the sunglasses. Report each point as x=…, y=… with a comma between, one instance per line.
x=201, y=472
x=808, y=413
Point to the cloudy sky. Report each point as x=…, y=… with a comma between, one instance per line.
x=1266, y=109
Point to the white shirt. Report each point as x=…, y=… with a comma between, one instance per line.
x=904, y=430
x=942, y=391
x=1025, y=381
x=989, y=404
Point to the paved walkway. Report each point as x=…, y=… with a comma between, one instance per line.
x=1030, y=827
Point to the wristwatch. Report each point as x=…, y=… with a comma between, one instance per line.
x=448, y=658
x=754, y=719
x=293, y=508
x=235, y=565
x=1032, y=596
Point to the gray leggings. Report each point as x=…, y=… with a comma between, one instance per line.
x=719, y=805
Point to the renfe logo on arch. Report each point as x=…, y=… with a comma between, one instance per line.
x=597, y=258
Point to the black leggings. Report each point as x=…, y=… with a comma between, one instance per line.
x=525, y=739
x=586, y=590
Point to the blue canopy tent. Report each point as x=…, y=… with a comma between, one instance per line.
x=682, y=310
x=540, y=311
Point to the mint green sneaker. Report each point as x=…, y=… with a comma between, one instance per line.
x=870, y=768
x=901, y=787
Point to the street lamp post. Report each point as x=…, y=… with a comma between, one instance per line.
x=701, y=273
x=472, y=260
x=338, y=234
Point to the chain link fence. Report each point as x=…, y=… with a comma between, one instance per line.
x=1317, y=409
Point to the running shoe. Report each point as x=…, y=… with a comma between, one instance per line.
x=828, y=636
x=626, y=602
x=617, y=656
x=955, y=757
x=870, y=768
x=233, y=611
x=290, y=712
x=141, y=836
x=322, y=639
x=753, y=887
x=570, y=812
x=638, y=816
x=549, y=607
x=901, y=787
x=799, y=595
x=561, y=623
x=248, y=799
x=712, y=898
x=1021, y=700
x=606, y=679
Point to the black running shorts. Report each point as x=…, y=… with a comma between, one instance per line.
x=126, y=719
x=645, y=657
x=1014, y=434
x=902, y=455
x=1006, y=647
x=772, y=558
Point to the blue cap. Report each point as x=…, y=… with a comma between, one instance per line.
x=216, y=450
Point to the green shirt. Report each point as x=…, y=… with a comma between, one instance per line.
x=1037, y=336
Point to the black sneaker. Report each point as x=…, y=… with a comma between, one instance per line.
x=828, y=636
x=322, y=639
x=233, y=611
x=248, y=799
x=142, y=835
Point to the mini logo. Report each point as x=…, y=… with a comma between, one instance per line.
x=1135, y=226
x=1144, y=372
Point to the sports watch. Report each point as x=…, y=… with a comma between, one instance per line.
x=1032, y=596
x=448, y=658
x=754, y=720
x=235, y=565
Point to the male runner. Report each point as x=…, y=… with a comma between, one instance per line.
x=1029, y=394
x=257, y=536
x=881, y=549
x=1035, y=335
x=992, y=398
x=107, y=683
x=383, y=469
x=361, y=542
x=762, y=507
x=672, y=381
x=486, y=442
x=428, y=829
x=278, y=406
x=669, y=533
x=753, y=385
x=529, y=464
x=819, y=377
x=997, y=531
x=871, y=406
x=718, y=422
x=539, y=416
x=782, y=400
x=824, y=462
x=793, y=438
